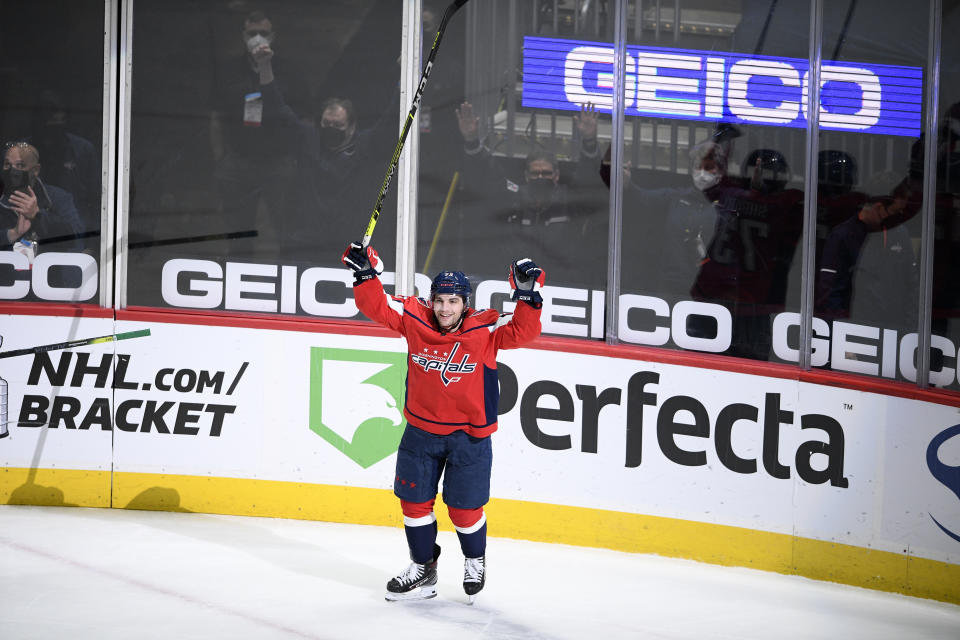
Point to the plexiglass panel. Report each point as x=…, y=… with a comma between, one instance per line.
x=510, y=155
x=714, y=173
x=260, y=138
x=946, y=257
x=870, y=190
x=51, y=118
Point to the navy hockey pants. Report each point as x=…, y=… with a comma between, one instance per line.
x=464, y=462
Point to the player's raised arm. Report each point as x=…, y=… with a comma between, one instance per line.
x=368, y=292
x=526, y=279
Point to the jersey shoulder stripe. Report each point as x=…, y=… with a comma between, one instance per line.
x=396, y=304
x=481, y=326
x=413, y=315
x=502, y=320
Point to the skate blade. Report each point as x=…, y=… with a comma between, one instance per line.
x=471, y=599
x=423, y=593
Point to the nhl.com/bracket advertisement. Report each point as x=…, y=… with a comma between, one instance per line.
x=589, y=431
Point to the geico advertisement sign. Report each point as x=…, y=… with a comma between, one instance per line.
x=567, y=311
x=721, y=86
x=45, y=276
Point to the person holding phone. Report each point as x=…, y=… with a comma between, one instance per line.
x=34, y=214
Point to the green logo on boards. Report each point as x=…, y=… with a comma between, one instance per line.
x=356, y=401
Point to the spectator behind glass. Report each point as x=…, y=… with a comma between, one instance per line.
x=748, y=257
x=538, y=212
x=340, y=168
x=666, y=228
x=70, y=162
x=868, y=268
x=255, y=163
x=37, y=217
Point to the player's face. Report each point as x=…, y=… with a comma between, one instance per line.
x=447, y=308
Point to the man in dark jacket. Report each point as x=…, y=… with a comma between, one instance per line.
x=538, y=211
x=868, y=270
x=37, y=217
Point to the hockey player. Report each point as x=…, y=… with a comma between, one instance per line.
x=450, y=409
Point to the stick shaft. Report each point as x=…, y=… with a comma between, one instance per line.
x=408, y=122
x=75, y=343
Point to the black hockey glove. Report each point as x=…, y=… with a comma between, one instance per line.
x=364, y=262
x=526, y=279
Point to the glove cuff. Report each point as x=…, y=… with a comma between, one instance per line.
x=532, y=298
x=363, y=276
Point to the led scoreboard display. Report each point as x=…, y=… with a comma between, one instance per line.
x=723, y=87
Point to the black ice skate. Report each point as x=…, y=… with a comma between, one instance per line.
x=474, y=576
x=417, y=582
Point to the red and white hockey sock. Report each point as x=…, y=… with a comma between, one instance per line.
x=471, y=526
x=420, y=525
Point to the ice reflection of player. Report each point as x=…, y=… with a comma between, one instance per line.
x=748, y=258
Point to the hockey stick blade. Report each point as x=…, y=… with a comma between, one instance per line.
x=395, y=159
x=140, y=333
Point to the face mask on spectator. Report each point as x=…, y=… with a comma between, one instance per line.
x=332, y=137
x=257, y=41
x=703, y=180
x=15, y=180
x=540, y=189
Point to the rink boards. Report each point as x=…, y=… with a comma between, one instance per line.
x=302, y=419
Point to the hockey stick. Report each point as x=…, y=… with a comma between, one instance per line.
x=394, y=161
x=75, y=343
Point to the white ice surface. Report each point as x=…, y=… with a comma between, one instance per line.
x=75, y=573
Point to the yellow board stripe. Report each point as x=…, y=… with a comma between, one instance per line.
x=712, y=543
x=55, y=487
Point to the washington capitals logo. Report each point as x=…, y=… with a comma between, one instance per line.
x=947, y=475
x=443, y=361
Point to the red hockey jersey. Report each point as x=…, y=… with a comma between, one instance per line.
x=451, y=377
